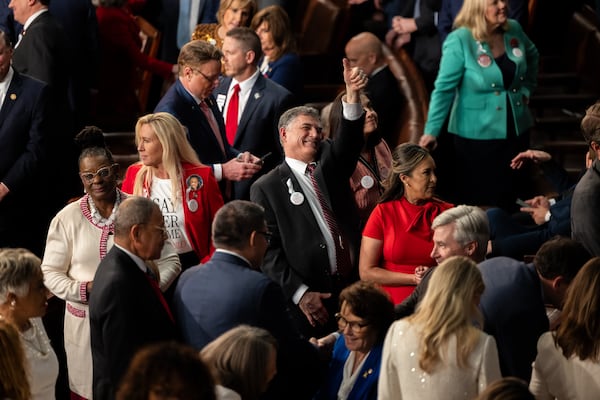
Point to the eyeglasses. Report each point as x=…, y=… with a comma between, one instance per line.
x=267, y=235
x=355, y=326
x=103, y=173
x=162, y=230
x=211, y=79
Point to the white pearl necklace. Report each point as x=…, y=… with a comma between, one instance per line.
x=98, y=219
x=35, y=342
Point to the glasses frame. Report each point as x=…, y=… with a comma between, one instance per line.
x=266, y=234
x=162, y=229
x=215, y=79
x=85, y=175
x=355, y=326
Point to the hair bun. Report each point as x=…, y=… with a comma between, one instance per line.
x=90, y=136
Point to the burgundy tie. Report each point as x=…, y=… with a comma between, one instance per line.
x=231, y=122
x=342, y=255
x=158, y=292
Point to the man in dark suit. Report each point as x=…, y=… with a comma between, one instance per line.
x=364, y=51
x=26, y=130
x=127, y=310
x=230, y=290
x=310, y=211
x=252, y=125
x=189, y=99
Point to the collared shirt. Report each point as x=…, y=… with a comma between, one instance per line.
x=31, y=18
x=244, y=94
x=5, y=84
x=233, y=253
x=377, y=70
x=138, y=261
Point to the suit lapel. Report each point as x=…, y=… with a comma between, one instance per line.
x=12, y=95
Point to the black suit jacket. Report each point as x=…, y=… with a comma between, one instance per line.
x=178, y=102
x=388, y=101
x=125, y=315
x=257, y=130
x=26, y=140
x=298, y=254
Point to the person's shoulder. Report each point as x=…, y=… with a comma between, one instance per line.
x=194, y=169
x=270, y=177
x=459, y=34
x=275, y=87
x=513, y=26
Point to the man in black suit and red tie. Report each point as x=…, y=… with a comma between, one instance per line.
x=127, y=309
x=311, y=212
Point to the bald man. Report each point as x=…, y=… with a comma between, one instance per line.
x=365, y=52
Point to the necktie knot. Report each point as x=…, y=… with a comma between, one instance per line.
x=236, y=88
x=310, y=168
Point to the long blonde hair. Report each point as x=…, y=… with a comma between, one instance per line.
x=13, y=377
x=472, y=17
x=447, y=310
x=175, y=150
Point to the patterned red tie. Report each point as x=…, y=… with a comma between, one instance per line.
x=213, y=124
x=231, y=122
x=161, y=298
x=342, y=255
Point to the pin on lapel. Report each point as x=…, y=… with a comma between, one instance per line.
x=368, y=372
x=256, y=96
x=13, y=96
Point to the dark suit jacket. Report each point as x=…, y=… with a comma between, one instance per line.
x=43, y=54
x=125, y=315
x=585, y=220
x=224, y=293
x=388, y=101
x=257, y=130
x=26, y=140
x=513, y=310
x=178, y=102
x=365, y=387
x=298, y=254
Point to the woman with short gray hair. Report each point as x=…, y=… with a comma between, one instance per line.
x=23, y=303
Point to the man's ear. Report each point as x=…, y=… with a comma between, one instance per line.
x=252, y=239
x=250, y=57
x=471, y=248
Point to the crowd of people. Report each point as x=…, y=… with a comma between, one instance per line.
x=258, y=250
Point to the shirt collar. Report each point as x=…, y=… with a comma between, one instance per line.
x=247, y=84
x=233, y=253
x=138, y=261
x=32, y=18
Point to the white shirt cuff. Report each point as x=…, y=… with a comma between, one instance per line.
x=552, y=201
x=218, y=172
x=299, y=293
x=351, y=111
x=547, y=216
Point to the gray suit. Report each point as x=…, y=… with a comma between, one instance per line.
x=585, y=219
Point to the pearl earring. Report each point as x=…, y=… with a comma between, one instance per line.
x=13, y=303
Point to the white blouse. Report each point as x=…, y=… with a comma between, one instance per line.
x=41, y=359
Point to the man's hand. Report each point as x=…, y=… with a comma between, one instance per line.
x=403, y=25
x=355, y=80
x=428, y=142
x=539, y=201
x=537, y=213
x=537, y=156
x=312, y=307
x=237, y=169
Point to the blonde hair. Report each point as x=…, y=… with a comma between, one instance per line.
x=13, y=377
x=175, y=150
x=239, y=359
x=226, y=4
x=472, y=17
x=579, y=331
x=447, y=310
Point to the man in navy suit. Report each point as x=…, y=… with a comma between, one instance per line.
x=230, y=290
x=260, y=102
x=189, y=99
x=311, y=212
x=127, y=309
x=25, y=138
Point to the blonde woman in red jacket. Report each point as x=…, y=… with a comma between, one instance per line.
x=170, y=174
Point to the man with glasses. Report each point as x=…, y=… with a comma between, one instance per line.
x=127, y=310
x=251, y=104
x=230, y=290
x=189, y=99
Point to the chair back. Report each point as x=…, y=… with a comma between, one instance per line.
x=150, y=44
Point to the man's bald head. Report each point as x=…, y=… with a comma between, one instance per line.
x=364, y=51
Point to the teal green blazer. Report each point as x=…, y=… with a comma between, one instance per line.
x=470, y=85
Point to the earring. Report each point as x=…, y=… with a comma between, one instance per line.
x=13, y=303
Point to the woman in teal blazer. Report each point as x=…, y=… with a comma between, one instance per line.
x=487, y=74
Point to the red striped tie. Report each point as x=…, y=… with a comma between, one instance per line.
x=342, y=255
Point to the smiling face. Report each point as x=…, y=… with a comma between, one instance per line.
x=302, y=138
x=102, y=186
x=236, y=16
x=419, y=185
x=445, y=245
x=149, y=147
x=361, y=341
x=495, y=13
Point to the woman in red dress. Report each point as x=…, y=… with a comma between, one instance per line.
x=397, y=243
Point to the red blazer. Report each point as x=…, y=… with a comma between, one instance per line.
x=120, y=46
x=208, y=197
